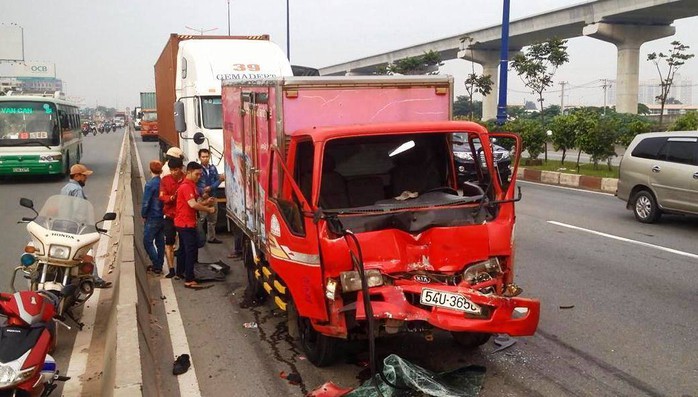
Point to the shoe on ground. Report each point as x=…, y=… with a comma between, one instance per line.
x=102, y=284
x=181, y=365
x=214, y=241
x=170, y=274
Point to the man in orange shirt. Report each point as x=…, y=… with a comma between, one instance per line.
x=168, y=195
x=185, y=222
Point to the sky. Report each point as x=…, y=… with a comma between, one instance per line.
x=105, y=50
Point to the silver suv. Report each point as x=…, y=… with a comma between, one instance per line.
x=659, y=173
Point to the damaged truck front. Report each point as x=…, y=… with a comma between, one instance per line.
x=347, y=192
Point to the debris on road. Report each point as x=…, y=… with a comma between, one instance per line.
x=292, y=378
x=504, y=341
x=250, y=325
x=181, y=365
x=460, y=382
x=566, y=306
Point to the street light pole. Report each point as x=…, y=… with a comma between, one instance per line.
x=228, y=17
x=288, y=32
x=503, y=66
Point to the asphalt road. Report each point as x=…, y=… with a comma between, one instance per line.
x=100, y=154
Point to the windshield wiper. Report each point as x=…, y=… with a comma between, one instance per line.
x=27, y=143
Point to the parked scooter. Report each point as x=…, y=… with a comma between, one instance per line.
x=26, y=339
x=59, y=257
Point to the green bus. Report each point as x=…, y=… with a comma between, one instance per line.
x=38, y=136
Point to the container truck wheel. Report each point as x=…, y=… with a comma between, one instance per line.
x=320, y=349
x=471, y=340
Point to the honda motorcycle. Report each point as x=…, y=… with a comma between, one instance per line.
x=59, y=258
x=27, y=336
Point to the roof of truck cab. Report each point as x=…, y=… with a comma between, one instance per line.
x=320, y=134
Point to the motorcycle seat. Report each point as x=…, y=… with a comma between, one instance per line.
x=15, y=341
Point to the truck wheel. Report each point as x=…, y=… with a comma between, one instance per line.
x=645, y=207
x=471, y=340
x=320, y=349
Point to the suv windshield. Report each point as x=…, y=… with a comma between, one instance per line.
x=67, y=214
x=28, y=122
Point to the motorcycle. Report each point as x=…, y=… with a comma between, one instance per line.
x=113, y=127
x=26, y=339
x=59, y=257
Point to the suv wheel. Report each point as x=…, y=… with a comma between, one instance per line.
x=645, y=207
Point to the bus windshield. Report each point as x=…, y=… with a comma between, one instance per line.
x=213, y=112
x=27, y=122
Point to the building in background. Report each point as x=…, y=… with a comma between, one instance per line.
x=29, y=77
x=681, y=91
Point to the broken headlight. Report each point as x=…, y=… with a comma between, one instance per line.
x=351, y=281
x=482, y=271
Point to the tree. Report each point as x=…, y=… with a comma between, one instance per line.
x=564, y=133
x=532, y=135
x=687, y=122
x=595, y=136
x=628, y=126
x=474, y=83
x=537, y=65
x=427, y=63
x=462, y=106
x=676, y=58
x=642, y=109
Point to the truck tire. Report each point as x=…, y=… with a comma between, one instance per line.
x=471, y=340
x=320, y=349
x=254, y=292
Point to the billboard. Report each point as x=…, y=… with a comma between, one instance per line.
x=29, y=69
x=11, y=43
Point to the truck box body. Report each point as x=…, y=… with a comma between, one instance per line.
x=148, y=101
x=191, y=68
x=349, y=181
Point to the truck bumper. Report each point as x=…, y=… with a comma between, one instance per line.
x=513, y=316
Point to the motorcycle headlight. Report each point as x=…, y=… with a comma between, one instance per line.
x=10, y=376
x=59, y=252
x=27, y=259
x=351, y=281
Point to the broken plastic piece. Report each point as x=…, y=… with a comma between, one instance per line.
x=329, y=389
x=504, y=341
x=292, y=378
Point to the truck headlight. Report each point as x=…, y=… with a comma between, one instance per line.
x=351, y=281
x=10, y=376
x=482, y=271
x=59, y=252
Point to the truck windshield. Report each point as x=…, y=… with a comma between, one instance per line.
x=28, y=122
x=150, y=116
x=212, y=112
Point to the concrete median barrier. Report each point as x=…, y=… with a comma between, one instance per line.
x=607, y=185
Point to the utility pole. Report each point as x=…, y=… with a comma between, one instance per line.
x=288, y=31
x=503, y=65
x=605, y=86
x=562, y=97
x=228, y=17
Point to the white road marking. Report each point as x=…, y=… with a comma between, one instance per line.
x=565, y=188
x=627, y=240
x=81, y=348
x=188, y=382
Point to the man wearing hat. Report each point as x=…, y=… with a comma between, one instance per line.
x=78, y=177
x=172, y=153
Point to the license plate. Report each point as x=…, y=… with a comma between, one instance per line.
x=23, y=169
x=448, y=300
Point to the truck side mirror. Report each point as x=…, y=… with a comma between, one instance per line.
x=199, y=138
x=180, y=123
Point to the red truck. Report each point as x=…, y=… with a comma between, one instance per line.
x=354, y=221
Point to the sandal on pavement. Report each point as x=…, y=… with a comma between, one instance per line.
x=102, y=284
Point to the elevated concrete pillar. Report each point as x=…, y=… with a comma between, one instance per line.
x=628, y=39
x=489, y=59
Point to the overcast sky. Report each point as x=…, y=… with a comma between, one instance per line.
x=105, y=50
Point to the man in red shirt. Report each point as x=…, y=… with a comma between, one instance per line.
x=168, y=195
x=185, y=221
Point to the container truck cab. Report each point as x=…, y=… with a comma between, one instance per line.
x=356, y=227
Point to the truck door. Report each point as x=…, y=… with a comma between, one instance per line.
x=255, y=137
x=292, y=238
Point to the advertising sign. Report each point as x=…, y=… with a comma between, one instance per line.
x=11, y=43
x=33, y=69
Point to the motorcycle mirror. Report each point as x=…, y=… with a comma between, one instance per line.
x=109, y=216
x=199, y=138
x=25, y=202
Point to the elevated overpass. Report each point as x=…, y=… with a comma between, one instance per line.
x=626, y=23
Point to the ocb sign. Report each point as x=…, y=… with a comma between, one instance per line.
x=33, y=69
x=40, y=69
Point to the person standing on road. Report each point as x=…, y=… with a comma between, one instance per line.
x=151, y=211
x=168, y=196
x=74, y=187
x=172, y=153
x=206, y=187
x=185, y=221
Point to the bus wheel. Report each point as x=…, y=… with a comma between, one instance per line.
x=66, y=172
